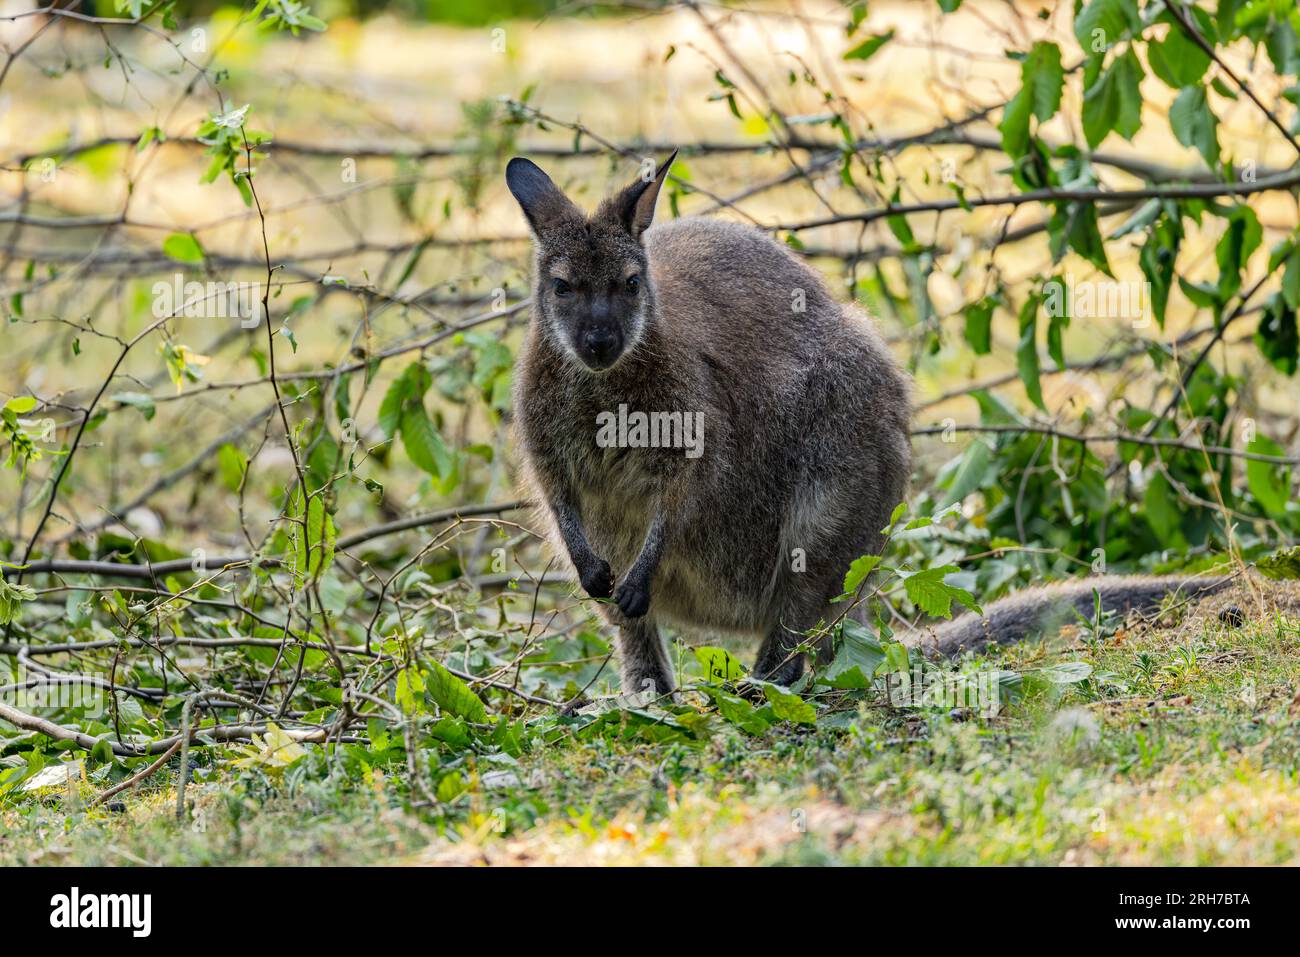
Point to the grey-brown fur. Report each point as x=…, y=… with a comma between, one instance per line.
x=1045, y=608
x=806, y=446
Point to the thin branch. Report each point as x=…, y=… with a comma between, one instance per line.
x=1030, y=429
x=1285, y=181
x=243, y=559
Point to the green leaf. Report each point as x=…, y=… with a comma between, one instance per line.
x=1283, y=45
x=1074, y=226
x=136, y=400
x=183, y=247
x=21, y=404
x=1179, y=60
x=1203, y=294
x=454, y=731
x=390, y=410
x=412, y=261
x=1066, y=672
x=410, y=690
x=930, y=593
x=902, y=231
x=424, y=445
x=979, y=322
x=11, y=598
x=1114, y=101
x=738, y=711
x=1277, y=336
x=858, y=572
x=897, y=658
x=324, y=457
x=1058, y=318
x=1027, y=352
x=1044, y=78
x=856, y=661
x=899, y=511
x=1291, y=279
x=1194, y=124
x=231, y=463
x=719, y=665
x=788, y=706
x=1041, y=82
x=402, y=411
x=183, y=364
x=971, y=473
x=1282, y=564
x=1157, y=259
x=869, y=47
x=1162, y=511
x=453, y=695
x=1234, y=249
x=377, y=732
x=1103, y=23
x=1142, y=217
x=1269, y=483
x=149, y=135
x=314, y=549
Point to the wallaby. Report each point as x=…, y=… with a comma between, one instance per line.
x=801, y=448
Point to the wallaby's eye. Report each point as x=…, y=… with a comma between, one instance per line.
x=633, y=284
x=561, y=288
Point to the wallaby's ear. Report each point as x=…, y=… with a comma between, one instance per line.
x=540, y=199
x=635, y=206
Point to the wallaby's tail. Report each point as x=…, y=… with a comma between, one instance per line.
x=1044, y=609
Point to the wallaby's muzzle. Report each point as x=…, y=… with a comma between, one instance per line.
x=599, y=347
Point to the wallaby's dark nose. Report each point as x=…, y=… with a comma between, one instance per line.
x=600, y=346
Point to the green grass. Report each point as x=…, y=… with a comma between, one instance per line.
x=1180, y=748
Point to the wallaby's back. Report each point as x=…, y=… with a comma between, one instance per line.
x=810, y=418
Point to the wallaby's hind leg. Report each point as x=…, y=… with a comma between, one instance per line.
x=776, y=660
x=643, y=659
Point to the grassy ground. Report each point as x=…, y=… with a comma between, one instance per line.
x=1180, y=748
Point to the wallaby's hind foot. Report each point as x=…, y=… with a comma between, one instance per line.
x=643, y=659
x=779, y=665
x=777, y=661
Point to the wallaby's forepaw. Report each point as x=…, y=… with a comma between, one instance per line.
x=597, y=578
x=633, y=597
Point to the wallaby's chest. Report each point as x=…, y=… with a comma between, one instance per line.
x=624, y=453
x=616, y=435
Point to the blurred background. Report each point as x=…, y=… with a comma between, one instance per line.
x=378, y=133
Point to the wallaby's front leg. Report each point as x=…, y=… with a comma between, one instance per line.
x=594, y=572
x=633, y=595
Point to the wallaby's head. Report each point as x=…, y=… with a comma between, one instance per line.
x=592, y=290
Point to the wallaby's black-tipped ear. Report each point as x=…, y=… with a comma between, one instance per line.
x=635, y=206
x=539, y=198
